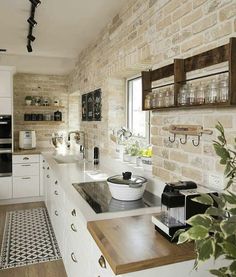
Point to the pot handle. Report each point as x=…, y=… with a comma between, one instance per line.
x=127, y=175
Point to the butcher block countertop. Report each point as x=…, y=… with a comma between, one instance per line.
x=132, y=243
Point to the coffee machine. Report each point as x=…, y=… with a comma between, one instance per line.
x=177, y=207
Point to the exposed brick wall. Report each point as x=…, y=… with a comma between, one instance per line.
x=149, y=34
x=51, y=86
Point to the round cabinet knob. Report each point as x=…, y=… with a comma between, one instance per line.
x=102, y=262
x=73, y=257
x=43, y=167
x=56, y=192
x=73, y=212
x=56, y=213
x=48, y=168
x=48, y=176
x=72, y=226
x=43, y=161
x=56, y=182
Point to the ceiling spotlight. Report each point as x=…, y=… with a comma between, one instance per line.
x=31, y=37
x=29, y=48
x=32, y=22
x=36, y=3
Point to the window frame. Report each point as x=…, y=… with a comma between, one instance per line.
x=129, y=108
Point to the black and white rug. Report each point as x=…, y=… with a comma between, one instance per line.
x=28, y=239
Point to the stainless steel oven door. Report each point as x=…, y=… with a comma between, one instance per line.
x=5, y=162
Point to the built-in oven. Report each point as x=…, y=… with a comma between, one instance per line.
x=5, y=160
x=5, y=145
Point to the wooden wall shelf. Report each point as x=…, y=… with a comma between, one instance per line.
x=181, y=67
x=43, y=107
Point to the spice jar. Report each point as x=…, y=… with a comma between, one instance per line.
x=212, y=92
x=167, y=98
x=153, y=100
x=160, y=99
x=200, y=94
x=182, y=96
x=223, y=89
x=191, y=95
x=171, y=97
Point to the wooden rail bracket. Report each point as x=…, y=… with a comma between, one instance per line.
x=187, y=130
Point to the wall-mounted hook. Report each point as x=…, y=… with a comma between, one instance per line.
x=185, y=140
x=196, y=143
x=172, y=140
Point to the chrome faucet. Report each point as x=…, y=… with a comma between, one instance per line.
x=79, y=139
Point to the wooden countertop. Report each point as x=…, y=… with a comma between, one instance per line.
x=132, y=243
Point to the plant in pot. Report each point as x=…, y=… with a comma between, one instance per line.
x=146, y=156
x=214, y=232
x=133, y=151
x=28, y=100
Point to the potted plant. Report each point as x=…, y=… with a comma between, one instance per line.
x=146, y=156
x=133, y=151
x=214, y=232
x=28, y=100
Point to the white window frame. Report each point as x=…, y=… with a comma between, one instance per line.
x=128, y=115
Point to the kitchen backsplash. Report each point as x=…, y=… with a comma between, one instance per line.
x=149, y=34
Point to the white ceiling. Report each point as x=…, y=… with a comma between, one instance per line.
x=65, y=27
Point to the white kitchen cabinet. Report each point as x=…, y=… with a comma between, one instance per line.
x=5, y=187
x=41, y=175
x=5, y=83
x=26, y=182
x=27, y=186
x=5, y=105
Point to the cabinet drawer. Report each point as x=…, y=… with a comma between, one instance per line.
x=17, y=159
x=26, y=169
x=27, y=186
x=6, y=187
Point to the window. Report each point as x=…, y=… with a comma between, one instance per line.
x=138, y=121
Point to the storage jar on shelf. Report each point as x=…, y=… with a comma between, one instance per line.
x=223, y=89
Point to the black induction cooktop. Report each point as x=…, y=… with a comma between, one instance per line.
x=98, y=196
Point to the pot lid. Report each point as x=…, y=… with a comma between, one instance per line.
x=127, y=179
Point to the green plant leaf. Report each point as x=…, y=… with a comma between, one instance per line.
x=228, y=228
x=232, y=211
x=232, y=267
x=215, y=212
x=217, y=272
x=198, y=233
x=220, y=201
x=204, y=199
x=178, y=232
x=227, y=168
x=200, y=219
x=206, y=250
x=183, y=237
x=229, y=249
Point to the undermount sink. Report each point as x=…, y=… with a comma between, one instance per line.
x=61, y=159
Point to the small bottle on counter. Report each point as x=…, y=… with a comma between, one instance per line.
x=95, y=155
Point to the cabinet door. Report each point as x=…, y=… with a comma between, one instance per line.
x=26, y=169
x=5, y=84
x=41, y=175
x=5, y=187
x=27, y=186
x=5, y=105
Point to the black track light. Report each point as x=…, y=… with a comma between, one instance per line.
x=29, y=48
x=31, y=37
x=36, y=3
x=32, y=22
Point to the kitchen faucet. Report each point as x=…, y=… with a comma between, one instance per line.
x=79, y=139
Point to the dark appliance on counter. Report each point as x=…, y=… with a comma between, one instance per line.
x=98, y=196
x=177, y=207
x=57, y=116
x=5, y=145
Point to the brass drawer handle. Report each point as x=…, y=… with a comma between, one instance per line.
x=56, y=192
x=72, y=226
x=56, y=213
x=73, y=257
x=26, y=165
x=25, y=158
x=73, y=212
x=102, y=262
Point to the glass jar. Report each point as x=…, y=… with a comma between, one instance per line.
x=212, y=92
x=191, y=95
x=223, y=89
x=200, y=94
x=161, y=99
x=153, y=100
x=147, y=102
x=166, y=98
x=182, y=96
x=171, y=99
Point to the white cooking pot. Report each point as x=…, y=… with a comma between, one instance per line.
x=126, y=187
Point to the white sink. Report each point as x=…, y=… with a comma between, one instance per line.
x=66, y=159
